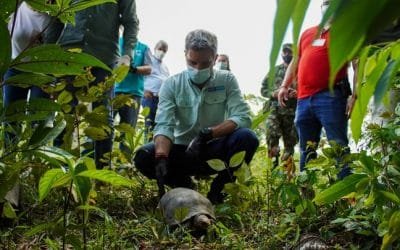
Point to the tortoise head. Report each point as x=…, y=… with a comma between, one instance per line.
x=201, y=221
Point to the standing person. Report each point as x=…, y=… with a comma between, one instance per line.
x=317, y=106
x=222, y=62
x=29, y=26
x=152, y=85
x=201, y=116
x=96, y=32
x=133, y=85
x=280, y=122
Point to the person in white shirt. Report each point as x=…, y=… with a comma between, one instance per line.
x=152, y=85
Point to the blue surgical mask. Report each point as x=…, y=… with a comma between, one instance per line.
x=222, y=65
x=199, y=76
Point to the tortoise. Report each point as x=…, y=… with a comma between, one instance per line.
x=187, y=207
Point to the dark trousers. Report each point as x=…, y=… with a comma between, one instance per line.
x=101, y=147
x=181, y=167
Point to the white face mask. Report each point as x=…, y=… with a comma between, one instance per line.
x=199, y=76
x=159, y=54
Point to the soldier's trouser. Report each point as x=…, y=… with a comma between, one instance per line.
x=280, y=124
x=327, y=110
x=181, y=167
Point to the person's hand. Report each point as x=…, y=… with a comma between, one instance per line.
x=292, y=93
x=196, y=146
x=161, y=168
x=147, y=94
x=350, y=105
x=283, y=96
x=124, y=60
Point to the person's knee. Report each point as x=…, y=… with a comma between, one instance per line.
x=248, y=137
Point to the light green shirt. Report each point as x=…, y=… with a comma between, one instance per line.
x=184, y=109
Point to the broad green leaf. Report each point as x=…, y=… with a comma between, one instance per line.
x=339, y=189
x=52, y=59
x=35, y=110
x=9, y=176
x=391, y=196
x=180, y=214
x=108, y=176
x=394, y=231
x=216, y=164
x=96, y=133
x=237, y=159
x=145, y=111
x=348, y=31
x=386, y=80
x=57, y=153
x=82, y=184
x=125, y=128
x=258, y=119
x=283, y=15
x=119, y=73
x=5, y=46
x=47, y=180
x=298, y=18
x=8, y=211
x=30, y=79
x=44, y=135
x=39, y=228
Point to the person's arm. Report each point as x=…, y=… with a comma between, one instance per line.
x=290, y=76
x=165, y=121
x=238, y=111
x=127, y=10
x=225, y=128
x=145, y=69
x=265, y=87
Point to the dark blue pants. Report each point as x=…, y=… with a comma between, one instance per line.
x=101, y=147
x=129, y=115
x=152, y=104
x=323, y=110
x=180, y=167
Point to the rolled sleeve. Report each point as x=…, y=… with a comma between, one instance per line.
x=129, y=20
x=165, y=117
x=238, y=110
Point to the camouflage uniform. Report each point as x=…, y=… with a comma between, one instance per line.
x=280, y=121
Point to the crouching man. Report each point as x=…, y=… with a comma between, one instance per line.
x=201, y=116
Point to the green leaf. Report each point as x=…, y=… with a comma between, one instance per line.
x=98, y=210
x=44, y=135
x=5, y=47
x=386, y=80
x=298, y=18
x=96, y=133
x=216, y=164
x=339, y=189
x=47, y=181
x=52, y=59
x=35, y=110
x=391, y=196
x=6, y=8
x=64, y=97
x=237, y=159
x=8, y=211
x=283, y=15
x=119, y=73
x=39, y=228
x=81, y=183
x=258, y=119
x=108, y=176
x=180, y=213
x=30, y=79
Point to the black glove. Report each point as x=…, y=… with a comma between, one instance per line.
x=196, y=146
x=161, y=172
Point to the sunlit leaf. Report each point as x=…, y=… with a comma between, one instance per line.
x=47, y=180
x=52, y=59
x=8, y=211
x=108, y=176
x=30, y=79
x=96, y=133
x=216, y=164
x=391, y=196
x=237, y=159
x=339, y=189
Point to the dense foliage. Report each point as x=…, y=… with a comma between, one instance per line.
x=67, y=203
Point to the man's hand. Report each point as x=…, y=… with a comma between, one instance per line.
x=161, y=172
x=124, y=60
x=283, y=95
x=196, y=146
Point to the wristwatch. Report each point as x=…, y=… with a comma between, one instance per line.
x=133, y=69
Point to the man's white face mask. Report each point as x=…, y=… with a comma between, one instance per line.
x=159, y=54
